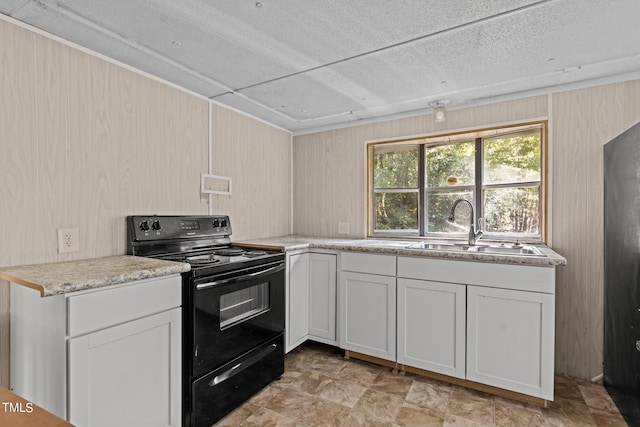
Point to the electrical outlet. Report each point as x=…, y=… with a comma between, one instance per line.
x=68, y=240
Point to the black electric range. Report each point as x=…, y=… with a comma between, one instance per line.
x=233, y=310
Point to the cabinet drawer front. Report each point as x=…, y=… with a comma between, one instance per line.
x=368, y=263
x=506, y=276
x=106, y=307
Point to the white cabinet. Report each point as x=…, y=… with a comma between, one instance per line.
x=431, y=326
x=107, y=356
x=322, y=297
x=297, y=300
x=510, y=340
x=368, y=305
x=123, y=375
x=509, y=322
x=311, y=298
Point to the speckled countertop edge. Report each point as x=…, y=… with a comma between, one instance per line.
x=71, y=276
x=399, y=247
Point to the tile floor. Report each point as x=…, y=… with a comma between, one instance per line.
x=321, y=388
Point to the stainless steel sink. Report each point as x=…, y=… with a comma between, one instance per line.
x=440, y=246
x=510, y=250
x=501, y=249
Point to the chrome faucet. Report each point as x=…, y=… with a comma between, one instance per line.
x=474, y=234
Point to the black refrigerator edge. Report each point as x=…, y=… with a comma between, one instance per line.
x=622, y=272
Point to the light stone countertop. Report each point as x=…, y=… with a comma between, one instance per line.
x=70, y=276
x=399, y=247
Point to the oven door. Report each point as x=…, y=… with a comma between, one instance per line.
x=235, y=312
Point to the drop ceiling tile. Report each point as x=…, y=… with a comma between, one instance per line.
x=301, y=64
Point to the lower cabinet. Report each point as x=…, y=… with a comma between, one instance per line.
x=368, y=314
x=510, y=339
x=124, y=375
x=311, y=298
x=486, y=324
x=322, y=297
x=297, y=300
x=432, y=326
x=104, y=357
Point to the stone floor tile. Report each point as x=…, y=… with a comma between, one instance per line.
x=429, y=395
x=289, y=402
x=344, y=393
x=415, y=416
x=380, y=405
x=391, y=383
x=322, y=413
x=310, y=382
x=472, y=405
x=266, y=418
x=451, y=420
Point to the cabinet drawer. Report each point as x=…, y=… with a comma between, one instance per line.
x=507, y=276
x=368, y=263
x=106, y=307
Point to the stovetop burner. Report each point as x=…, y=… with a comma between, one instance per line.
x=230, y=252
x=218, y=256
x=201, y=259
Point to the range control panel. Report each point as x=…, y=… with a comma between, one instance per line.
x=154, y=227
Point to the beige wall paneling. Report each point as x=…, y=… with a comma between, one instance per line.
x=18, y=144
x=330, y=167
x=83, y=143
x=4, y=333
x=258, y=159
x=93, y=122
x=17, y=161
x=52, y=151
x=584, y=120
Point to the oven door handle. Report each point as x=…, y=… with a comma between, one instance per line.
x=266, y=271
x=236, y=369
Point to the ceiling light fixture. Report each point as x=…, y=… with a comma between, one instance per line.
x=439, y=111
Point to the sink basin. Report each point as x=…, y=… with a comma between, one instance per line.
x=487, y=249
x=441, y=246
x=523, y=250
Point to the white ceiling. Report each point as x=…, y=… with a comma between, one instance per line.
x=305, y=65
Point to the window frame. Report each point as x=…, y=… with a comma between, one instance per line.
x=478, y=188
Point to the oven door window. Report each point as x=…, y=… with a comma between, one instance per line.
x=243, y=304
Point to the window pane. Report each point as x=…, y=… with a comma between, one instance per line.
x=397, y=211
x=446, y=161
x=395, y=166
x=512, y=158
x=439, y=206
x=512, y=210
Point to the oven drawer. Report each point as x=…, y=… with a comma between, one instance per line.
x=224, y=389
x=110, y=306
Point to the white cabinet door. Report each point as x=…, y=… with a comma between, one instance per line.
x=510, y=340
x=297, y=314
x=322, y=297
x=431, y=326
x=127, y=375
x=368, y=314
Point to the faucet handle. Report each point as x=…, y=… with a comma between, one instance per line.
x=480, y=224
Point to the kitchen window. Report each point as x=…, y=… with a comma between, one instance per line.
x=414, y=183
